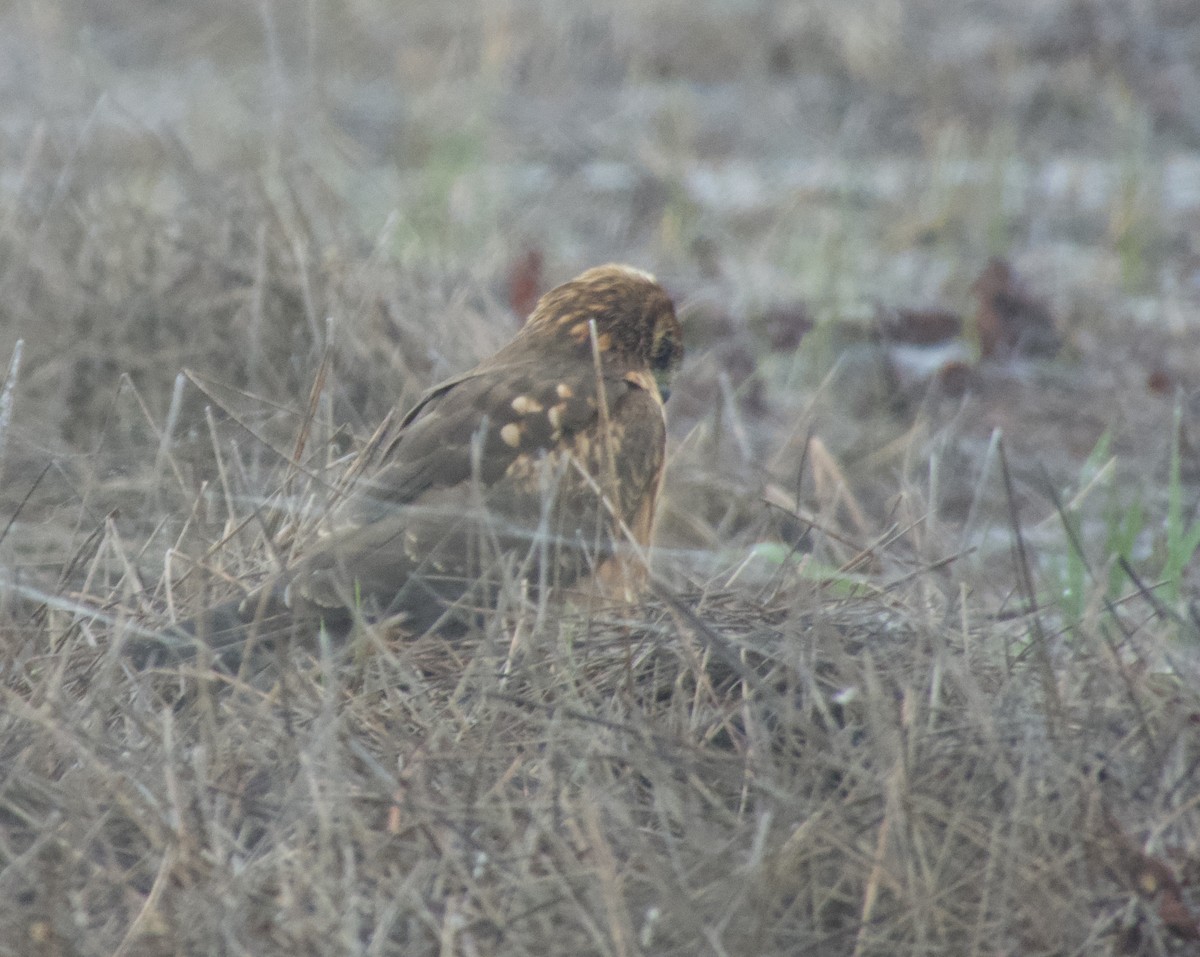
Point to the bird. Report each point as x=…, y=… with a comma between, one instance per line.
x=543, y=463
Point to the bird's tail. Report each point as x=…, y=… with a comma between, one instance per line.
x=225, y=631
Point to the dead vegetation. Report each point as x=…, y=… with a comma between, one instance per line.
x=877, y=702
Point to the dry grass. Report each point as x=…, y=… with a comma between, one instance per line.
x=852, y=717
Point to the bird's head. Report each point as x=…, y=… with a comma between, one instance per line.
x=635, y=321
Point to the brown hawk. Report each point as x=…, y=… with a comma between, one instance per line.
x=543, y=463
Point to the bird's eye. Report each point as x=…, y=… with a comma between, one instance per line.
x=663, y=360
x=664, y=354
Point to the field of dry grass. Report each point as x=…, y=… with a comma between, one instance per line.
x=920, y=672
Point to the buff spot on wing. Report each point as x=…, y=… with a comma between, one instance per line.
x=520, y=468
x=647, y=383
x=511, y=435
x=642, y=380
x=563, y=391
x=581, y=332
x=526, y=405
x=555, y=415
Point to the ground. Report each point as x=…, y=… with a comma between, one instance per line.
x=918, y=670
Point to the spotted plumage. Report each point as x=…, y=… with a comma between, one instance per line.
x=539, y=463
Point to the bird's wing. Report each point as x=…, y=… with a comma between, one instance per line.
x=473, y=426
x=495, y=442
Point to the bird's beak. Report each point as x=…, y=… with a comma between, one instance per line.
x=663, y=380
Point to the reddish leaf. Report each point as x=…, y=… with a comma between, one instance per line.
x=1159, y=381
x=785, y=324
x=954, y=377
x=1010, y=320
x=525, y=282
x=1154, y=881
x=919, y=327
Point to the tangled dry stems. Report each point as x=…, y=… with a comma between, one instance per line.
x=702, y=771
x=806, y=764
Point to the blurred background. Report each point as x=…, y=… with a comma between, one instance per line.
x=923, y=675
x=879, y=218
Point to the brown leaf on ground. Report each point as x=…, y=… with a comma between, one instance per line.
x=1152, y=879
x=525, y=283
x=954, y=377
x=919, y=327
x=785, y=324
x=1160, y=381
x=1010, y=320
